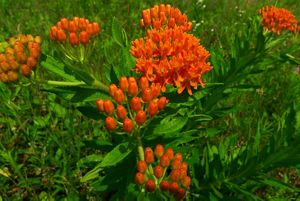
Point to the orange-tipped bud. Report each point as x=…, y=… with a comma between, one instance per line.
x=89, y=29
x=146, y=17
x=25, y=70
x=186, y=181
x=21, y=57
x=119, y=96
x=61, y=35
x=170, y=153
x=123, y=83
x=31, y=62
x=180, y=194
x=72, y=26
x=142, y=166
x=150, y=185
x=173, y=187
x=133, y=89
x=147, y=95
x=4, y=66
x=12, y=76
x=158, y=171
x=65, y=23
x=135, y=104
x=73, y=39
x=152, y=108
x=121, y=112
x=144, y=83
x=3, y=77
x=13, y=64
x=183, y=172
x=84, y=37
x=128, y=125
x=178, y=156
x=149, y=156
x=112, y=89
x=140, y=117
x=162, y=102
x=156, y=88
x=108, y=107
x=139, y=178
x=100, y=104
x=159, y=150
x=96, y=28
x=164, y=160
x=164, y=185
x=184, y=165
x=53, y=33
x=175, y=175
x=110, y=123
x=176, y=164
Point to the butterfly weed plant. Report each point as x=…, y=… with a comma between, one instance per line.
x=163, y=106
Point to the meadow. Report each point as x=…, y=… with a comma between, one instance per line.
x=233, y=120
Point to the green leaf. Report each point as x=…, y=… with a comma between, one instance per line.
x=171, y=124
x=128, y=62
x=91, y=112
x=112, y=158
x=278, y=184
x=117, y=33
x=58, y=68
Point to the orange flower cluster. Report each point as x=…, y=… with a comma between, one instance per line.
x=277, y=20
x=20, y=56
x=168, y=54
x=165, y=16
x=78, y=30
x=176, y=182
x=143, y=101
x=171, y=56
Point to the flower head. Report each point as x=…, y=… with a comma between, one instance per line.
x=171, y=56
x=277, y=20
x=165, y=16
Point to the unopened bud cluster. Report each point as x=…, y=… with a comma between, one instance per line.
x=133, y=103
x=76, y=31
x=20, y=56
x=169, y=174
x=165, y=16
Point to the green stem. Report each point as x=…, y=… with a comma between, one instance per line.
x=140, y=146
x=100, y=85
x=62, y=83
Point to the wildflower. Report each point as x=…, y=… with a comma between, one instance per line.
x=165, y=16
x=277, y=20
x=150, y=185
x=164, y=185
x=149, y=157
x=142, y=166
x=173, y=57
x=139, y=178
x=159, y=150
x=140, y=117
x=158, y=171
x=128, y=125
x=110, y=123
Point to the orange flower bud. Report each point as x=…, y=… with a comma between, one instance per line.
x=159, y=150
x=72, y=26
x=13, y=64
x=154, y=11
x=170, y=153
x=164, y=160
x=176, y=163
x=164, y=185
x=179, y=156
x=184, y=165
x=3, y=77
x=21, y=57
x=110, y=123
x=183, y=172
x=173, y=187
x=171, y=23
x=9, y=50
x=31, y=62
x=131, y=80
x=84, y=37
x=73, y=39
x=18, y=46
x=119, y=96
x=65, y=23
x=152, y=109
x=128, y=125
x=108, y=107
x=4, y=66
x=180, y=193
x=149, y=156
x=155, y=90
x=100, y=104
x=175, y=175
x=135, y=104
x=112, y=89
x=142, y=166
x=2, y=57
x=133, y=89
x=12, y=76
x=89, y=29
x=147, y=95
x=146, y=17
x=53, y=33
x=139, y=178
x=150, y=185
x=158, y=171
x=140, y=117
x=144, y=83
x=186, y=181
x=61, y=35
x=25, y=70
x=123, y=83
x=121, y=112
x=96, y=28
x=162, y=102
